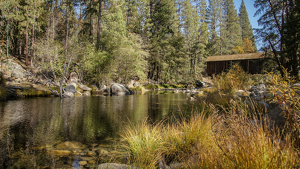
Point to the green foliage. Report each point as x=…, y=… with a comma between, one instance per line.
x=151, y=86
x=279, y=33
x=49, y=56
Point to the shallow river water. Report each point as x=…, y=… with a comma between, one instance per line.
x=79, y=132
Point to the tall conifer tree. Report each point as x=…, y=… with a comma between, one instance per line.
x=247, y=31
x=233, y=29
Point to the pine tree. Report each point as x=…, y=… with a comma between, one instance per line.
x=215, y=22
x=280, y=31
x=233, y=29
x=161, y=15
x=247, y=31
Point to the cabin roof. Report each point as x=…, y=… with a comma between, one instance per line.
x=235, y=57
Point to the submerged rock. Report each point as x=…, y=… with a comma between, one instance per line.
x=82, y=163
x=115, y=166
x=70, y=145
x=59, y=152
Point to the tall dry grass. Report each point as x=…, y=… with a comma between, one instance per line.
x=230, y=139
x=226, y=133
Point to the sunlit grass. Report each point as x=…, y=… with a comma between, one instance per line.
x=145, y=144
x=228, y=139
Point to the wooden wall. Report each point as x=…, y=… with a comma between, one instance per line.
x=250, y=66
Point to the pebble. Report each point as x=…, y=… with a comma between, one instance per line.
x=82, y=163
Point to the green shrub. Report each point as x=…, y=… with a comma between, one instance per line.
x=151, y=86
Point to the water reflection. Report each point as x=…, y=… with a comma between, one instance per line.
x=46, y=122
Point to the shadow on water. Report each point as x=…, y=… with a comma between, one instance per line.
x=33, y=129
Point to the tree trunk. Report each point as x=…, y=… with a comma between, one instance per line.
x=99, y=25
x=33, y=35
x=7, y=39
x=91, y=22
x=195, y=64
x=66, y=30
x=53, y=24
x=26, y=46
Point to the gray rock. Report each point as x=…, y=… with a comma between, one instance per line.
x=296, y=85
x=86, y=93
x=70, y=90
x=119, y=90
x=175, y=165
x=236, y=97
x=130, y=86
x=6, y=77
x=136, y=84
x=192, y=99
x=115, y=166
x=17, y=74
x=276, y=117
x=103, y=87
x=239, y=93
x=266, y=105
x=262, y=86
x=27, y=73
x=84, y=88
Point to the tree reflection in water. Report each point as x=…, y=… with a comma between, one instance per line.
x=30, y=128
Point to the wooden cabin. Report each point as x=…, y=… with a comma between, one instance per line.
x=250, y=62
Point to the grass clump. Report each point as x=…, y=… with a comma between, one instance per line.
x=144, y=144
x=232, y=140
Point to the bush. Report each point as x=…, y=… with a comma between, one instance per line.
x=151, y=86
x=234, y=79
x=287, y=96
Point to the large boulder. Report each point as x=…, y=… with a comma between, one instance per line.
x=73, y=78
x=17, y=74
x=276, y=117
x=70, y=90
x=118, y=89
x=130, y=84
x=136, y=84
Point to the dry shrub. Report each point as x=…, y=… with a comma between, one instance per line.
x=235, y=78
x=287, y=97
